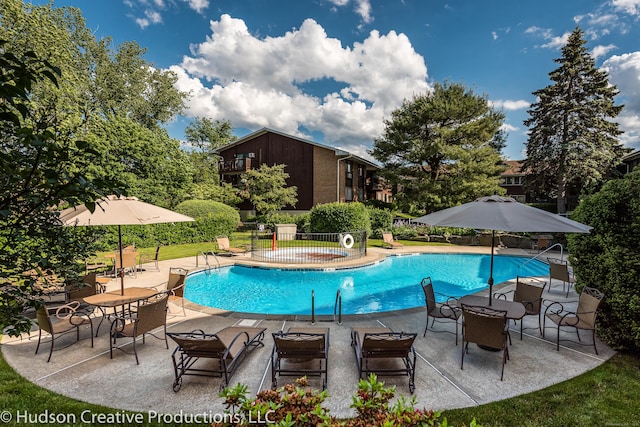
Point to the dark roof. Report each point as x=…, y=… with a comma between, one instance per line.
x=338, y=152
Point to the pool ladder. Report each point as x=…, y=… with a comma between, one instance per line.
x=337, y=308
x=206, y=255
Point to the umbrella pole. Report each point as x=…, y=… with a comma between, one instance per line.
x=493, y=235
x=121, y=271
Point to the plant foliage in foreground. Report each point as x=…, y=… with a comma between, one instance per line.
x=297, y=405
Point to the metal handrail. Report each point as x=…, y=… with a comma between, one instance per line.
x=205, y=255
x=338, y=306
x=313, y=307
x=545, y=251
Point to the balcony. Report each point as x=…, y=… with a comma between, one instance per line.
x=234, y=166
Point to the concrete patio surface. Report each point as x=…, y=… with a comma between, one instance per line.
x=88, y=374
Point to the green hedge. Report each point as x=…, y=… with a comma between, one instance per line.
x=608, y=258
x=381, y=221
x=339, y=218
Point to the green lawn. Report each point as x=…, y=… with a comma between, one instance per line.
x=605, y=396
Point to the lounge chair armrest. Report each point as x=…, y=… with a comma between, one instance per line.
x=233, y=341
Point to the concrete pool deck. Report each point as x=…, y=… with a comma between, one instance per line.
x=87, y=374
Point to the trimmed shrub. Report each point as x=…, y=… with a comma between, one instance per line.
x=339, y=218
x=608, y=258
x=381, y=221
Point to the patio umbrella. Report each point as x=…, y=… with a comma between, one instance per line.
x=114, y=210
x=501, y=213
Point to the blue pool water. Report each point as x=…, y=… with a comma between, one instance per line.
x=393, y=284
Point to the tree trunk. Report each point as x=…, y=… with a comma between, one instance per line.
x=562, y=196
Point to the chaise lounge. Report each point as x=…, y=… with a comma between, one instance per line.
x=228, y=346
x=300, y=352
x=384, y=352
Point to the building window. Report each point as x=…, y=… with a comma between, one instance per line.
x=348, y=194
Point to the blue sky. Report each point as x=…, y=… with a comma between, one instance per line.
x=333, y=70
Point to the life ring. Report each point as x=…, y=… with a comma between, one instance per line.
x=347, y=241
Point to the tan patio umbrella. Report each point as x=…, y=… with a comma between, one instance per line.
x=501, y=213
x=114, y=210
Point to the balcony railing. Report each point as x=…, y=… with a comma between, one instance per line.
x=235, y=165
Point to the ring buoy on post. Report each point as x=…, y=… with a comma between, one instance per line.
x=346, y=241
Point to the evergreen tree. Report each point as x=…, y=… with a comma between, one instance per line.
x=573, y=140
x=442, y=149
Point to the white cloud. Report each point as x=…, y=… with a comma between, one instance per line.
x=599, y=51
x=624, y=72
x=510, y=105
x=632, y=7
x=148, y=12
x=557, y=42
x=362, y=8
x=274, y=81
x=198, y=5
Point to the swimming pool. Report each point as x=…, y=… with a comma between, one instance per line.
x=392, y=284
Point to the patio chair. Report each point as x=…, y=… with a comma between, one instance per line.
x=300, y=352
x=528, y=291
x=389, y=242
x=384, y=352
x=437, y=311
x=59, y=320
x=487, y=328
x=583, y=318
x=225, y=246
x=150, y=315
x=559, y=270
x=129, y=262
x=146, y=259
x=175, y=286
x=228, y=346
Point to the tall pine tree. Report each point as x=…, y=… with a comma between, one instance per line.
x=573, y=140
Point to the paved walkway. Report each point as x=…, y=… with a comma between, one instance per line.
x=87, y=374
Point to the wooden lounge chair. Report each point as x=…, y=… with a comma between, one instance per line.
x=228, y=346
x=389, y=242
x=439, y=311
x=584, y=317
x=384, y=352
x=486, y=327
x=149, y=316
x=59, y=320
x=225, y=247
x=299, y=352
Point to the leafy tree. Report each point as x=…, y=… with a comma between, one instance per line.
x=573, y=140
x=40, y=169
x=442, y=148
x=205, y=136
x=266, y=188
x=149, y=163
x=608, y=258
x=108, y=98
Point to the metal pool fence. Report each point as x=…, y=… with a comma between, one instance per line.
x=307, y=248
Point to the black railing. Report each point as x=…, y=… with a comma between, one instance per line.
x=307, y=248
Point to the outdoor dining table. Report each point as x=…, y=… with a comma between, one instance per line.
x=115, y=299
x=515, y=310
